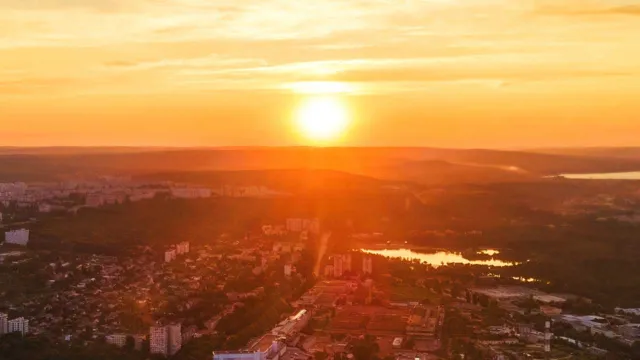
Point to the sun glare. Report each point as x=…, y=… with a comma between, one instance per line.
x=320, y=87
x=322, y=118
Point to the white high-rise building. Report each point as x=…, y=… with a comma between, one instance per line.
x=294, y=225
x=338, y=268
x=158, y=339
x=287, y=270
x=312, y=226
x=20, y=325
x=165, y=340
x=341, y=263
x=119, y=340
x=17, y=237
x=346, y=261
x=169, y=255
x=182, y=248
x=367, y=265
x=175, y=338
x=4, y=326
x=299, y=225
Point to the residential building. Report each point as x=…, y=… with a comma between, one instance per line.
x=346, y=262
x=175, y=338
x=20, y=325
x=293, y=324
x=267, y=347
x=273, y=230
x=367, y=265
x=630, y=331
x=423, y=321
x=4, y=326
x=287, y=270
x=328, y=270
x=158, y=340
x=188, y=334
x=17, y=237
x=338, y=266
x=182, y=248
x=311, y=226
x=119, y=340
x=294, y=225
x=165, y=340
x=169, y=255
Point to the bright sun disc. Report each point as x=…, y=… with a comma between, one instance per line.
x=322, y=118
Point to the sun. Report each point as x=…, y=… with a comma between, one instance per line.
x=322, y=118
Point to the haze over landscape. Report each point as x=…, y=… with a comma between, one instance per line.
x=319, y=180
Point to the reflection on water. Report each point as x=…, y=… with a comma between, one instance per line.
x=435, y=259
x=517, y=278
x=490, y=252
x=605, y=176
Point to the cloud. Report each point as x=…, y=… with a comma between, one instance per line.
x=209, y=62
x=120, y=63
x=109, y=6
x=588, y=7
x=144, y=45
x=455, y=75
x=621, y=10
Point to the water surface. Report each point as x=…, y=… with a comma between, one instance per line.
x=605, y=176
x=437, y=258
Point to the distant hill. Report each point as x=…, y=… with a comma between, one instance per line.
x=285, y=180
x=604, y=152
x=540, y=163
x=440, y=172
x=71, y=150
x=424, y=165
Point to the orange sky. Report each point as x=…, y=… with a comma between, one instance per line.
x=455, y=73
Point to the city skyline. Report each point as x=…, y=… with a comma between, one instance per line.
x=442, y=73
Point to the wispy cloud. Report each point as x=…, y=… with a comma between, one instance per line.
x=588, y=7
x=258, y=44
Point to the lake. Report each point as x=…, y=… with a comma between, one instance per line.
x=436, y=259
x=605, y=176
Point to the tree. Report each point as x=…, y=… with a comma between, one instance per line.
x=366, y=349
x=635, y=350
x=318, y=355
x=130, y=343
x=410, y=343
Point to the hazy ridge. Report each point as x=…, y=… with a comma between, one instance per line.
x=420, y=165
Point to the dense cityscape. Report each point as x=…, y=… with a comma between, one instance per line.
x=281, y=287
x=319, y=180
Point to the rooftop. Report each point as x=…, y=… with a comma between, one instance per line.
x=263, y=344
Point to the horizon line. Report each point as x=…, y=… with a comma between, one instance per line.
x=242, y=147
